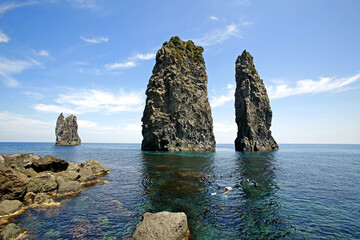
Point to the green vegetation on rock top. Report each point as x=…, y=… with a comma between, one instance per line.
x=182, y=49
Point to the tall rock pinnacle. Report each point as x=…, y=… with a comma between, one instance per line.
x=66, y=131
x=177, y=114
x=252, y=108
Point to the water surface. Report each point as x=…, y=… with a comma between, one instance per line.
x=304, y=192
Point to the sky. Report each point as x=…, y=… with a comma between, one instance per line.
x=94, y=59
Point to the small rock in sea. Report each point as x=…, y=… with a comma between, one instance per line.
x=218, y=187
x=228, y=189
x=162, y=226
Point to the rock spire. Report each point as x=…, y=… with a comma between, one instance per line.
x=66, y=131
x=177, y=114
x=252, y=108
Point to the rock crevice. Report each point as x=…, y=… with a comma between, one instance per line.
x=252, y=108
x=177, y=114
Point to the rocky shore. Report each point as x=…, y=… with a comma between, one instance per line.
x=30, y=180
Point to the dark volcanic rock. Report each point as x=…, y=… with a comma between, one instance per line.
x=66, y=131
x=43, y=182
x=252, y=108
x=177, y=115
x=50, y=163
x=12, y=184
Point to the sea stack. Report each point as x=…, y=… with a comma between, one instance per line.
x=66, y=131
x=252, y=108
x=177, y=114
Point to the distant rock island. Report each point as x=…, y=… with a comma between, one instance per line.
x=67, y=131
x=252, y=108
x=177, y=114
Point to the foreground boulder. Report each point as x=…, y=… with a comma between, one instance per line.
x=177, y=114
x=66, y=131
x=162, y=226
x=8, y=207
x=252, y=108
x=12, y=184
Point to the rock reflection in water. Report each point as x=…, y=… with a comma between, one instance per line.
x=175, y=182
x=260, y=208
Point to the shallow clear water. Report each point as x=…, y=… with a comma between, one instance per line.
x=304, y=192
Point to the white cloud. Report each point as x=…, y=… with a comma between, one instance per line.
x=54, y=108
x=219, y=101
x=9, y=67
x=87, y=124
x=214, y=18
x=93, y=100
x=146, y=56
x=225, y=127
x=35, y=95
x=132, y=61
x=120, y=65
x=41, y=52
x=90, y=4
x=133, y=127
x=309, y=86
x=95, y=40
x=12, y=5
x=16, y=127
x=3, y=37
x=218, y=36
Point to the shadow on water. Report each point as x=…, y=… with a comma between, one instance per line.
x=177, y=182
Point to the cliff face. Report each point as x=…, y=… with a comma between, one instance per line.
x=177, y=115
x=66, y=131
x=252, y=108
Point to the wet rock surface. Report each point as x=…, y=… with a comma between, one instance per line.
x=177, y=114
x=252, y=108
x=162, y=226
x=66, y=131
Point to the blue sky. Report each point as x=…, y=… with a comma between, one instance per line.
x=94, y=59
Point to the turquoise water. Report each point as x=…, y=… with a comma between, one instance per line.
x=304, y=192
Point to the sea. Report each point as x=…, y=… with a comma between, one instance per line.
x=303, y=192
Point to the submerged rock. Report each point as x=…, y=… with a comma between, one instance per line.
x=189, y=174
x=252, y=108
x=11, y=231
x=177, y=114
x=162, y=226
x=66, y=131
